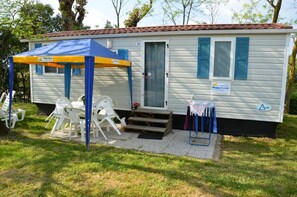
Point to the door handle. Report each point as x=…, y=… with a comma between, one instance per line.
x=146, y=75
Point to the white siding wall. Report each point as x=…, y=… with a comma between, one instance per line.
x=266, y=59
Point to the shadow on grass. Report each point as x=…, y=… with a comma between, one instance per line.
x=288, y=129
x=259, y=166
x=224, y=178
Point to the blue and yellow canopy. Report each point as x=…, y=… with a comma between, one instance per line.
x=67, y=54
x=71, y=52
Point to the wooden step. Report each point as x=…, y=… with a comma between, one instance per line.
x=152, y=111
x=145, y=128
x=152, y=120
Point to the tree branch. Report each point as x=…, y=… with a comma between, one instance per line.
x=271, y=2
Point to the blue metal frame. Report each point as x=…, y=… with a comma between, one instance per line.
x=67, y=80
x=207, y=119
x=11, y=68
x=89, y=79
x=129, y=71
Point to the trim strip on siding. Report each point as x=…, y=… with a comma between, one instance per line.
x=284, y=80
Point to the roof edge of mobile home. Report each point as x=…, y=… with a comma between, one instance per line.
x=172, y=30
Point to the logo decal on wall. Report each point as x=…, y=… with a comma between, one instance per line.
x=264, y=107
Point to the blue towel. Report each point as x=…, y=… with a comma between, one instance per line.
x=215, y=129
x=196, y=123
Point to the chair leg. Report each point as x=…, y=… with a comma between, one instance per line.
x=54, y=127
x=49, y=121
x=99, y=128
x=113, y=125
x=23, y=112
x=95, y=131
x=70, y=131
x=49, y=117
x=82, y=131
x=61, y=123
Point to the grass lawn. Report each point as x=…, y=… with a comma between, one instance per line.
x=33, y=165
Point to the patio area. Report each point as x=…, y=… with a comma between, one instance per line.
x=175, y=143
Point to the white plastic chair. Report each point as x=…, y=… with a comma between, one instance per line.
x=3, y=96
x=73, y=114
x=81, y=98
x=59, y=114
x=107, y=119
x=15, y=113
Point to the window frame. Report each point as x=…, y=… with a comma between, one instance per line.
x=50, y=74
x=56, y=73
x=213, y=40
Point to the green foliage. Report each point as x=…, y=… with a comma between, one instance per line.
x=108, y=25
x=254, y=12
x=34, y=19
x=181, y=12
x=22, y=19
x=293, y=102
x=9, y=11
x=34, y=164
x=137, y=14
x=9, y=45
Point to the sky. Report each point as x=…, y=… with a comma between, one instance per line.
x=99, y=11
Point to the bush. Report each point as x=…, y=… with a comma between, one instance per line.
x=293, y=103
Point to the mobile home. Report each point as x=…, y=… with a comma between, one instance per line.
x=242, y=68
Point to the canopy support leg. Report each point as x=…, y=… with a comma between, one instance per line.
x=11, y=71
x=129, y=70
x=89, y=79
x=67, y=80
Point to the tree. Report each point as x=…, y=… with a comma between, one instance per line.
x=34, y=19
x=276, y=7
x=21, y=19
x=8, y=44
x=186, y=9
x=273, y=15
x=9, y=11
x=73, y=13
x=257, y=11
x=108, y=25
x=118, y=5
x=137, y=14
x=291, y=76
x=213, y=7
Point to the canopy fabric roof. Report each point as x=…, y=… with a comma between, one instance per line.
x=73, y=52
x=69, y=54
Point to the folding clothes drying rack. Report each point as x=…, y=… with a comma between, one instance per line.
x=204, y=112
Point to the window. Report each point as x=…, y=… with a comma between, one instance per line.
x=222, y=58
x=53, y=70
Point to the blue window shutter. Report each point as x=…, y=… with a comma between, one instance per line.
x=203, y=58
x=76, y=71
x=38, y=68
x=123, y=53
x=241, y=58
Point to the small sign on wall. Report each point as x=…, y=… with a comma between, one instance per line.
x=264, y=107
x=221, y=88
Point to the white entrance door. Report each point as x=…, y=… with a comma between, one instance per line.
x=155, y=75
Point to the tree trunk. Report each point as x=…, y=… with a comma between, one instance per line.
x=67, y=14
x=291, y=76
x=184, y=14
x=118, y=20
x=276, y=10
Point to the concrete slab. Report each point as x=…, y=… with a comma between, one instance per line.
x=175, y=143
